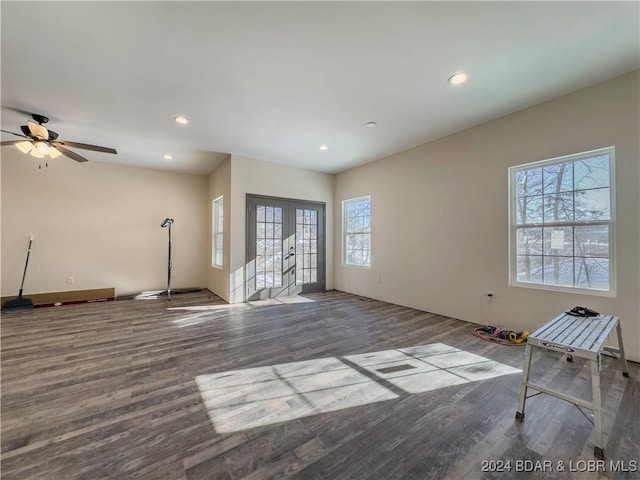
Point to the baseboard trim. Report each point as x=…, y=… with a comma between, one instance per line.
x=51, y=299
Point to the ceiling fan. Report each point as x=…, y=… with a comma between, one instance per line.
x=40, y=141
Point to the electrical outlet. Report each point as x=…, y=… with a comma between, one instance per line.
x=491, y=296
x=379, y=279
x=70, y=280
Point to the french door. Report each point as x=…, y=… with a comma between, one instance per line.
x=285, y=247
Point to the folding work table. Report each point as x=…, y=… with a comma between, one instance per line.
x=581, y=337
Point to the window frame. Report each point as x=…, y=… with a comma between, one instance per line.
x=611, y=223
x=217, y=246
x=345, y=203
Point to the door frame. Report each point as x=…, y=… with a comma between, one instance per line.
x=249, y=228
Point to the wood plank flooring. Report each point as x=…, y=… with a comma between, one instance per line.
x=111, y=391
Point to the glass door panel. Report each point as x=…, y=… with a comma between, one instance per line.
x=307, y=221
x=268, y=247
x=266, y=229
x=306, y=246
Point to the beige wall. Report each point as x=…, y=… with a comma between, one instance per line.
x=272, y=179
x=439, y=213
x=220, y=185
x=99, y=223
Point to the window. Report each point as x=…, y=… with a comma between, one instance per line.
x=562, y=223
x=218, y=232
x=356, y=231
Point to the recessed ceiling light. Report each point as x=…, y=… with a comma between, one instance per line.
x=167, y=156
x=372, y=124
x=458, y=78
x=181, y=119
x=324, y=147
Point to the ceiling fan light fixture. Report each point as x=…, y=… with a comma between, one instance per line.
x=36, y=153
x=25, y=147
x=53, y=152
x=41, y=142
x=42, y=147
x=181, y=119
x=167, y=156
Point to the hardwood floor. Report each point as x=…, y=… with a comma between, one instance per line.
x=140, y=389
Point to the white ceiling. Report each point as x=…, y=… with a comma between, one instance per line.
x=275, y=80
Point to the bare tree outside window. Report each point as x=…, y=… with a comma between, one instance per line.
x=562, y=222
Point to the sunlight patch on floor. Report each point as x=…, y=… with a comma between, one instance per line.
x=206, y=313
x=429, y=367
x=205, y=310
x=280, y=301
x=212, y=308
x=295, y=299
x=253, y=397
x=191, y=320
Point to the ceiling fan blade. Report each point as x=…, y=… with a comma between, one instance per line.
x=16, y=134
x=38, y=131
x=69, y=153
x=10, y=142
x=21, y=111
x=86, y=146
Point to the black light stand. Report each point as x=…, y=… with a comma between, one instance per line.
x=167, y=223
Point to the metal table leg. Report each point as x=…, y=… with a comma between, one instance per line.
x=525, y=382
x=623, y=359
x=598, y=450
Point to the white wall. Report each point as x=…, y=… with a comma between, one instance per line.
x=99, y=223
x=439, y=213
x=220, y=185
x=272, y=179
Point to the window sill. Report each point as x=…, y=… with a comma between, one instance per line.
x=553, y=288
x=360, y=267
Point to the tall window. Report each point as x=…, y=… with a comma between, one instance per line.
x=218, y=232
x=356, y=231
x=562, y=223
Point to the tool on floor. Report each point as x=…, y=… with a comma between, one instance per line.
x=502, y=336
x=20, y=303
